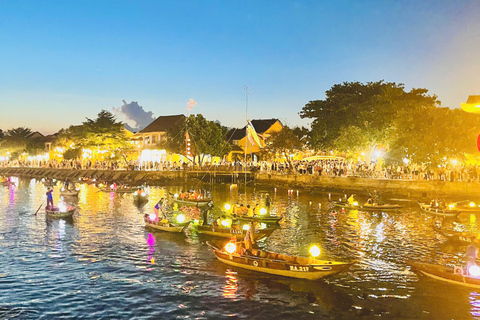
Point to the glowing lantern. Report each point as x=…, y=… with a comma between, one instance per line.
x=263, y=211
x=143, y=194
x=314, y=251
x=227, y=206
x=474, y=270
x=230, y=247
x=246, y=227
x=152, y=216
x=472, y=204
x=62, y=207
x=224, y=223
x=355, y=203
x=181, y=218
x=175, y=195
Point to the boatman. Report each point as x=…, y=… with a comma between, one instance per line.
x=49, y=197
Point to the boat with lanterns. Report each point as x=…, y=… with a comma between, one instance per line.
x=278, y=264
x=241, y=214
x=192, y=198
x=180, y=225
x=367, y=206
x=60, y=211
x=467, y=206
x=116, y=189
x=450, y=274
x=449, y=211
x=234, y=230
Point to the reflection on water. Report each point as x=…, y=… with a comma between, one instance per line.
x=103, y=263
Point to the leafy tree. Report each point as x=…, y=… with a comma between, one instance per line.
x=17, y=139
x=74, y=153
x=283, y=143
x=207, y=138
x=370, y=110
x=1, y=135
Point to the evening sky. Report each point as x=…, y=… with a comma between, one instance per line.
x=62, y=61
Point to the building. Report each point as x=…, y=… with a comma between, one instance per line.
x=238, y=137
x=156, y=131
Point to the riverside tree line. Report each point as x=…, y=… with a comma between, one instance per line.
x=354, y=117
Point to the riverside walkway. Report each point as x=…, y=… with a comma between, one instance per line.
x=406, y=187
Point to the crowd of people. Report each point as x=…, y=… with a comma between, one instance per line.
x=328, y=168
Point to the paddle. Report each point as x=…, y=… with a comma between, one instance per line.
x=40, y=206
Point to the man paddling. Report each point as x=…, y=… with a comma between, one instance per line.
x=49, y=198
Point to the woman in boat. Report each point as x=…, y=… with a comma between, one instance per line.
x=159, y=206
x=49, y=198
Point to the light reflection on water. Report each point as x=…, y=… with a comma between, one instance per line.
x=104, y=263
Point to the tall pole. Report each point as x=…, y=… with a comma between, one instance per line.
x=246, y=136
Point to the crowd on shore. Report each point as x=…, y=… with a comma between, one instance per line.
x=329, y=168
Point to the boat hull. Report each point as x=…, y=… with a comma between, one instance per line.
x=229, y=233
x=456, y=236
x=445, y=274
x=312, y=271
x=163, y=227
x=69, y=193
x=200, y=203
x=439, y=212
x=392, y=207
x=264, y=219
x=59, y=214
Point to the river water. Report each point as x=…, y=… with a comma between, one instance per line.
x=104, y=264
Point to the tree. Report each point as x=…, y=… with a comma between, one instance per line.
x=370, y=110
x=17, y=139
x=207, y=138
x=283, y=143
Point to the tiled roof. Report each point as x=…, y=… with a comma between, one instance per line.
x=162, y=123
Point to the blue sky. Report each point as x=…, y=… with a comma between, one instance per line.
x=62, y=61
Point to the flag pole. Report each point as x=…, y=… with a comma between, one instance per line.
x=246, y=137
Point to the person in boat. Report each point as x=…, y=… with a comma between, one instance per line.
x=370, y=201
x=159, y=207
x=267, y=203
x=471, y=253
x=206, y=212
x=49, y=198
x=249, y=239
x=67, y=184
x=250, y=212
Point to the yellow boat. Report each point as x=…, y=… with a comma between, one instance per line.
x=278, y=264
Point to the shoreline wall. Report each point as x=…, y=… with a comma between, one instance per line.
x=424, y=188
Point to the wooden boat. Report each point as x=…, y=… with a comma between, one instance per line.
x=228, y=233
x=6, y=183
x=367, y=207
x=471, y=207
x=56, y=212
x=438, y=211
x=260, y=218
x=448, y=274
x=69, y=193
x=463, y=237
x=192, y=202
x=279, y=264
x=117, y=189
x=165, y=226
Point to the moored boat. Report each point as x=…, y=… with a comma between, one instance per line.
x=193, y=202
x=165, y=225
x=454, y=275
x=60, y=212
x=71, y=193
x=117, y=189
x=462, y=237
x=260, y=218
x=444, y=212
x=278, y=264
x=366, y=206
x=223, y=232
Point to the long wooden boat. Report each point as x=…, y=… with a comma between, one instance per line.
x=279, y=264
x=462, y=237
x=228, y=233
x=468, y=208
x=439, y=212
x=367, y=207
x=117, y=190
x=259, y=218
x=55, y=212
x=446, y=274
x=69, y=193
x=192, y=202
x=170, y=227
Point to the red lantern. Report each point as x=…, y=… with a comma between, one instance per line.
x=478, y=142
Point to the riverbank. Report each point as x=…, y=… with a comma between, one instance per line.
x=311, y=183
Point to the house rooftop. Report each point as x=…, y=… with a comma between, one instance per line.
x=163, y=123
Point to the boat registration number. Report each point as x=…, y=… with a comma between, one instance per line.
x=298, y=268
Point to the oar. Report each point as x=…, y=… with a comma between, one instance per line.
x=39, y=207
